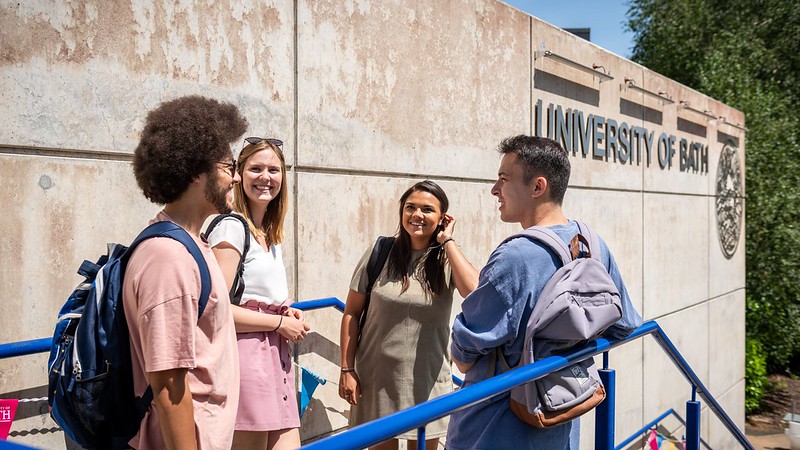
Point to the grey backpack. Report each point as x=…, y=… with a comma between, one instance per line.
x=578, y=303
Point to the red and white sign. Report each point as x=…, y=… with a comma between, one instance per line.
x=8, y=407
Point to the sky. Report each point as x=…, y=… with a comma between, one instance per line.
x=605, y=18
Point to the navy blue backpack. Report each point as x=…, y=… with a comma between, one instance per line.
x=90, y=374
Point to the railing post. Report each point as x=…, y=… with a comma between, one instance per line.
x=421, y=438
x=604, y=415
x=692, y=425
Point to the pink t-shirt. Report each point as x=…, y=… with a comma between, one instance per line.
x=160, y=295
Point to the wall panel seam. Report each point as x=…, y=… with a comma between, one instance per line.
x=21, y=150
x=296, y=182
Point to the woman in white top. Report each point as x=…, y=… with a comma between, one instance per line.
x=268, y=417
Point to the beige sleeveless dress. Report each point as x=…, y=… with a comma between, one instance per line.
x=403, y=358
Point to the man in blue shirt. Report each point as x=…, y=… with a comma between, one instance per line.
x=531, y=182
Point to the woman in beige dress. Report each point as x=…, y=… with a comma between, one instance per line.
x=401, y=359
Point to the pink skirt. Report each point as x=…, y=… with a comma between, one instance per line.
x=267, y=396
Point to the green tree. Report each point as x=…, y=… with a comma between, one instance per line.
x=747, y=55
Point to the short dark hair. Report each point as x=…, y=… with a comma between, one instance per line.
x=182, y=139
x=541, y=157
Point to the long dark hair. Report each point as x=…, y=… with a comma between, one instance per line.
x=429, y=269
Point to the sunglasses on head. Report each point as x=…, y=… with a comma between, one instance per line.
x=254, y=140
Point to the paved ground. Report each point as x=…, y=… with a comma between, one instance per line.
x=765, y=428
x=767, y=440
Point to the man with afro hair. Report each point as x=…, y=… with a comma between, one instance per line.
x=184, y=162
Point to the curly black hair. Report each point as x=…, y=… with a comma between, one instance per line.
x=182, y=139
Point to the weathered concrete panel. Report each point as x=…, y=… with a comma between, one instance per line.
x=392, y=87
x=82, y=75
x=368, y=97
x=732, y=401
x=670, y=178
x=59, y=211
x=664, y=386
x=617, y=217
x=725, y=347
x=671, y=224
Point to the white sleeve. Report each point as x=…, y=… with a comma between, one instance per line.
x=228, y=230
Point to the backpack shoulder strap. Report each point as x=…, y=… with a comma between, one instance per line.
x=237, y=289
x=380, y=253
x=547, y=237
x=377, y=259
x=592, y=238
x=172, y=230
x=216, y=220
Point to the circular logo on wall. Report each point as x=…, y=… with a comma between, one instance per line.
x=729, y=199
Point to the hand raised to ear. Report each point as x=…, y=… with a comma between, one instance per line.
x=448, y=224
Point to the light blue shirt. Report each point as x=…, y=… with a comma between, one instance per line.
x=495, y=315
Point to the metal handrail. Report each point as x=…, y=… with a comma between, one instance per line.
x=43, y=345
x=419, y=415
x=638, y=433
x=23, y=348
x=13, y=445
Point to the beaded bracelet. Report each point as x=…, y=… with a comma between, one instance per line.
x=446, y=241
x=348, y=369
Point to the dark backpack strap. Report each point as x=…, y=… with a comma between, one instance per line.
x=377, y=259
x=592, y=238
x=237, y=287
x=380, y=253
x=220, y=218
x=172, y=230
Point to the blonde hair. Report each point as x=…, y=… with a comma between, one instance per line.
x=272, y=222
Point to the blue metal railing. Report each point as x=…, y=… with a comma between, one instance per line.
x=25, y=348
x=8, y=445
x=417, y=417
x=638, y=433
x=43, y=345
x=307, y=305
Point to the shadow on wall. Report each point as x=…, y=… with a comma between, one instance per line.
x=545, y=81
x=315, y=343
x=319, y=414
x=34, y=404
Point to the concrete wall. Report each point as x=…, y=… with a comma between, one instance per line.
x=369, y=97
